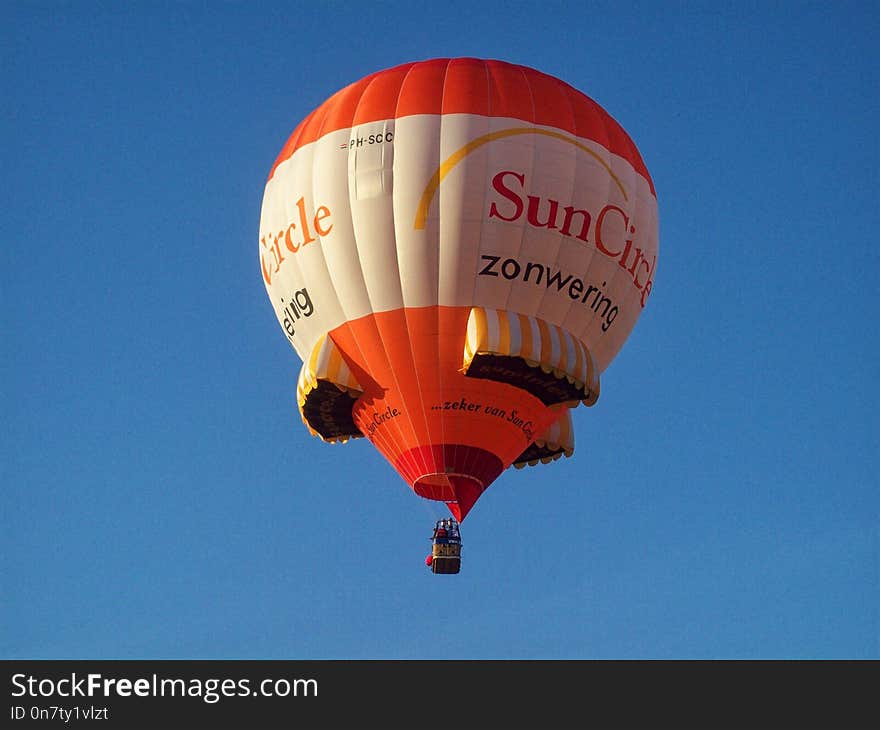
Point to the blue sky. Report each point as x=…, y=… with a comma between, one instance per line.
x=160, y=497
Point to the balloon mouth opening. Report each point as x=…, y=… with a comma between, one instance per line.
x=443, y=487
x=453, y=473
x=459, y=491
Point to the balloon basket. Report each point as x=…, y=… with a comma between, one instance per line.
x=446, y=548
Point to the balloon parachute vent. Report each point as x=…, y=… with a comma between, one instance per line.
x=445, y=554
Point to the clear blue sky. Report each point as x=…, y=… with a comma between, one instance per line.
x=160, y=497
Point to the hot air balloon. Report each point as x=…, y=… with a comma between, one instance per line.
x=456, y=248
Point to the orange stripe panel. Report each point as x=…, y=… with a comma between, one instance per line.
x=466, y=86
x=448, y=435
x=422, y=90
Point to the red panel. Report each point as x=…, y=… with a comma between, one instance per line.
x=552, y=101
x=379, y=97
x=422, y=89
x=466, y=87
x=510, y=95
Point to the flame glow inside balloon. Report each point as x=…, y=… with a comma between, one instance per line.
x=457, y=249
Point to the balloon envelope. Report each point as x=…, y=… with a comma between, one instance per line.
x=457, y=249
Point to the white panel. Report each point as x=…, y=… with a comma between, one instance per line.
x=552, y=178
x=291, y=223
x=330, y=176
x=416, y=159
x=624, y=291
x=459, y=202
x=507, y=157
x=370, y=180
